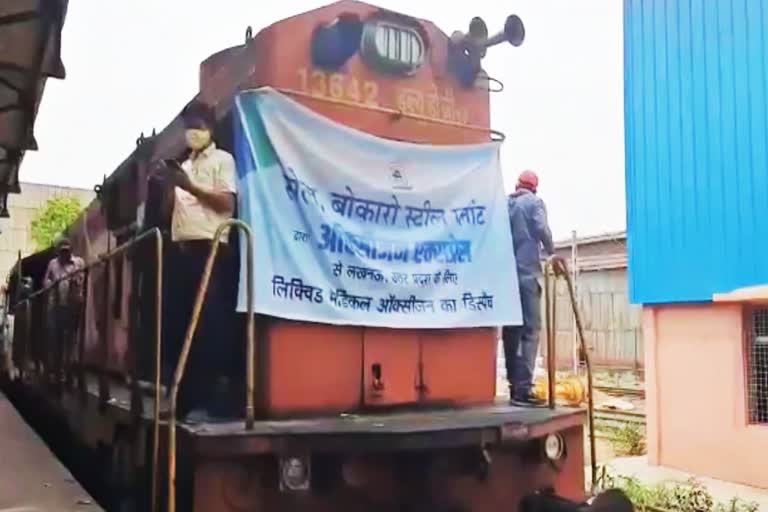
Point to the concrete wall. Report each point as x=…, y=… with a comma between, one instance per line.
x=14, y=231
x=696, y=401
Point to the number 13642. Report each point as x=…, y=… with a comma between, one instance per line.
x=338, y=86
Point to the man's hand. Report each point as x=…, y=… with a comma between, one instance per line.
x=169, y=171
x=559, y=267
x=158, y=171
x=180, y=178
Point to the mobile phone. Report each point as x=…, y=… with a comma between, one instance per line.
x=171, y=163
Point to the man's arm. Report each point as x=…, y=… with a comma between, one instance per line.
x=222, y=198
x=220, y=202
x=167, y=199
x=541, y=227
x=48, y=275
x=77, y=288
x=161, y=194
x=544, y=234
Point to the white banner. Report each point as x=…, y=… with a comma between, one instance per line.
x=354, y=229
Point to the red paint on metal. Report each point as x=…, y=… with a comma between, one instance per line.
x=311, y=369
x=387, y=480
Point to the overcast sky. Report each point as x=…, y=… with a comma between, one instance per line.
x=131, y=66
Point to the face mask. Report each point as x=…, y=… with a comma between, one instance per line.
x=197, y=139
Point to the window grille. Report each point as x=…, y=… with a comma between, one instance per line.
x=757, y=368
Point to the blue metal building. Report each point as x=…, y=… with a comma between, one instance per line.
x=696, y=122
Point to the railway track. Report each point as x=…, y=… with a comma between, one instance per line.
x=615, y=390
x=628, y=415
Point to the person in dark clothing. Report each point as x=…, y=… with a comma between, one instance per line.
x=530, y=232
x=203, y=190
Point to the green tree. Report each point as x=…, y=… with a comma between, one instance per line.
x=53, y=218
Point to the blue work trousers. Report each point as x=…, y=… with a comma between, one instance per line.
x=521, y=343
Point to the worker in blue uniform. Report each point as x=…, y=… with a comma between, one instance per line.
x=530, y=233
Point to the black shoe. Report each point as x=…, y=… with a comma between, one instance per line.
x=201, y=416
x=528, y=400
x=197, y=417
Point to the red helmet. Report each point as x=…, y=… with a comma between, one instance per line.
x=529, y=180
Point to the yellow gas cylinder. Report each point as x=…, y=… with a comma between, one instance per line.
x=568, y=389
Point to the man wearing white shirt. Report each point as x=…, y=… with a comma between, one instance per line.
x=204, y=191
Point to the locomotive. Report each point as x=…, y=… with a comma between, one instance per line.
x=388, y=419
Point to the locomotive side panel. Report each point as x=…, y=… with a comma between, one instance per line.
x=309, y=368
x=106, y=316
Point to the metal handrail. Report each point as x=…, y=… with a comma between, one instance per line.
x=550, y=299
x=395, y=113
x=588, y=365
x=103, y=260
x=158, y=367
x=550, y=330
x=183, y=357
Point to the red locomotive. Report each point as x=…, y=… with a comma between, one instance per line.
x=322, y=433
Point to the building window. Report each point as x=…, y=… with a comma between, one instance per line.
x=757, y=368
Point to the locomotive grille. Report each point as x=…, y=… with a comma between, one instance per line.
x=393, y=48
x=398, y=44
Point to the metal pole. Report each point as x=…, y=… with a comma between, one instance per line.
x=590, y=399
x=158, y=365
x=19, y=277
x=549, y=330
x=81, y=384
x=574, y=334
x=250, y=413
x=104, y=390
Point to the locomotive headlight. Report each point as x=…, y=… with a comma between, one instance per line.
x=392, y=47
x=294, y=473
x=334, y=43
x=554, y=447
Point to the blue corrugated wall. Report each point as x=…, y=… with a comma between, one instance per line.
x=696, y=122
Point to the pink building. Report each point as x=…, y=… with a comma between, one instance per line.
x=707, y=389
x=696, y=122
